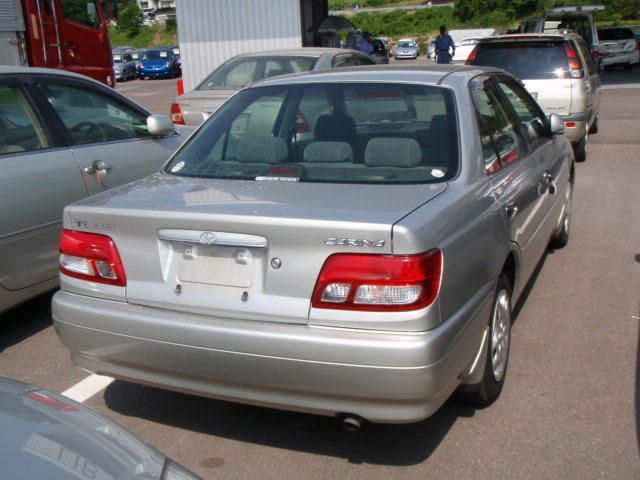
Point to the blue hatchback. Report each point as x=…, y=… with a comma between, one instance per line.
x=159, y=63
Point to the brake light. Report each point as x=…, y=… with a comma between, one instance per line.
x=90, y=256
x=176, y=114
x=570, y=124
x=52, y=402
x=472, y=56
x=379, y=282
x=575, y=69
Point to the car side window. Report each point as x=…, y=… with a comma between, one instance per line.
x=501, y=139
x=530, y=115
x=94, y=117
x=83, y=12
x=343, y=61
x=582, y=46
x=274, y=68
x=361, y=60
x=21, y=127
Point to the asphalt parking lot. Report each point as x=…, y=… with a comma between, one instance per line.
x=570, y=407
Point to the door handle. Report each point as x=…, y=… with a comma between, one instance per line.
x=549, y=181
x=511, y=209
x=98, y=167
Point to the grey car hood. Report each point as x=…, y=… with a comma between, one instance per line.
x=45, y=435
x=376, y=204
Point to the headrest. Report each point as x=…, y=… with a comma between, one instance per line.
x=254, y=149
x=393, y=152
x=328, y=152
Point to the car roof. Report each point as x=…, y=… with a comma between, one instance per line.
x=379, y=73
x=296, y=52
x=524, y=37
x=11, y=70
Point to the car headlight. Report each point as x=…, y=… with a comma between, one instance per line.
x=178, y=472
x=167, y=64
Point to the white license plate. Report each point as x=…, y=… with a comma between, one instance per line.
x=211, y=265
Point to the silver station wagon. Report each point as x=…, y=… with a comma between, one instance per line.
x=347, y=242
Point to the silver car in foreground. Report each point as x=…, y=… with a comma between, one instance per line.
x=363, y=264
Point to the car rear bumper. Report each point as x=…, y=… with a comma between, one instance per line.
x=406, y=55
x=381, y=376
x=621, y=58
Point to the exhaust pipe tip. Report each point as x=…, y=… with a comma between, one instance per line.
x=352, y=423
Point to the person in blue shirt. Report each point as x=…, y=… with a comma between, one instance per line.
x=445, y=47
x=366, y=44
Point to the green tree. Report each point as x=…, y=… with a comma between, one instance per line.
x=130, y=20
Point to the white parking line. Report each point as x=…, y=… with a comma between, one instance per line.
x=619, y=86
x=87, y=388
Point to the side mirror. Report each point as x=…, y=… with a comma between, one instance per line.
x=556, y=125
x=160, y=125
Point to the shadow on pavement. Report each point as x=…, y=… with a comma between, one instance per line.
x=24, y=321
x=394, y=445
x=530, y=285
x=617, y=76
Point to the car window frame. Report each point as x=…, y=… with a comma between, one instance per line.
x=70, y=81
x=489, y=80
x=542, y=139
x=49, y=122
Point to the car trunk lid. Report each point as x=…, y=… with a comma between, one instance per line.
x=242, y=249
x=198, y=105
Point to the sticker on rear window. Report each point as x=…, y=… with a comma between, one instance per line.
x=436, y=172
x=177, y=167
x=163, y=54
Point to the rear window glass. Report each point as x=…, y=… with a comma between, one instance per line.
x=530, y=60
x=616, y=34
x=338, y=133
x=241, y=73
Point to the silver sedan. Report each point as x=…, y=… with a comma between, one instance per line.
x=63, y=137
x=347, y=242
x=192, y=108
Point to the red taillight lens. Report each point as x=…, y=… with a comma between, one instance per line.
x=90, y=256
x=52, y=402
x=176, y=114
x=379, y=282
x=570, y=124
x=472, y=56
x=575, y=69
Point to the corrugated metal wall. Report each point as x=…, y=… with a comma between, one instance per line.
x=212, y=31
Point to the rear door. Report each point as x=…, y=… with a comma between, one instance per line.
x=39, y=176
x=514, y=172
x=107, y=133
x=593, y=85
x=552, y=163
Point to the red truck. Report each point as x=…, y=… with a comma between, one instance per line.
x=66, y=34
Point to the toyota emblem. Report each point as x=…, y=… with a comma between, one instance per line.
x=208, y=238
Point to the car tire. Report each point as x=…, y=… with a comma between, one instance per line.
x=581, y=149
x=488, y=390
x=627, y=66
x=561, y=237
x=594, y=126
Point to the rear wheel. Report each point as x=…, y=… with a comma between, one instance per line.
x=581, y=149
x=561, y=238
x=495, y=369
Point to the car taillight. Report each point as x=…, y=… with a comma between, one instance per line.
x=379, y=282
x=51, y=402
x=176, y=114
x=472, y=56
x=575, y=70
x=90, y=256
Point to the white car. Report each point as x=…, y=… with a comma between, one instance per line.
x=463, y=48
x=414, y=43
x=618, y=47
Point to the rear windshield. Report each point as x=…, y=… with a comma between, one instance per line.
x=616, y=34
x=157, y=55
x=338, y=133
x=241, y=73
x=525, y=60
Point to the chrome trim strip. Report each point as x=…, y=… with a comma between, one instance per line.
x=222, y=239
x=575, y=117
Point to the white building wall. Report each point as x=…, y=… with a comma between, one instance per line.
x=212, y=31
